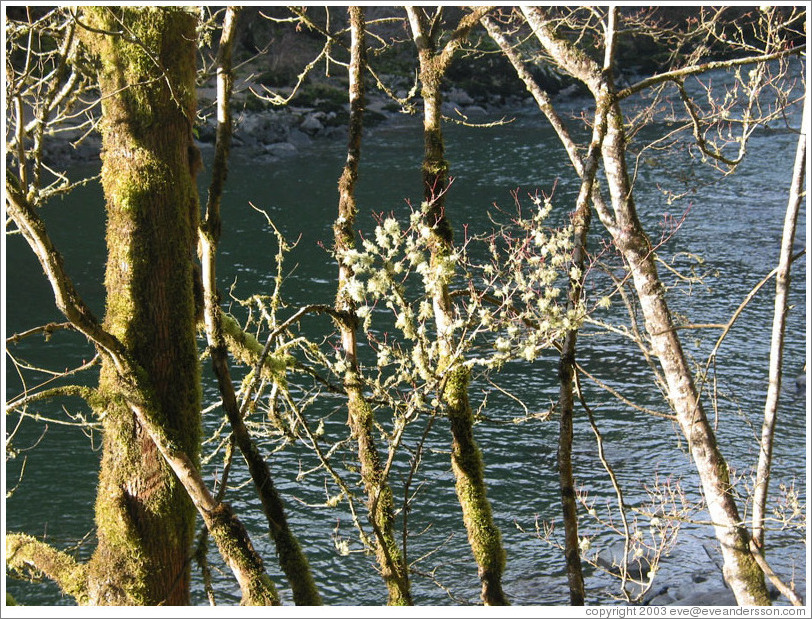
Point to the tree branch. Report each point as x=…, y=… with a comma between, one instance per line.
x=703, y=68
x=27, y=554
x=238, y=552
x=66, y=296
x=291, y=558
x=779, y=325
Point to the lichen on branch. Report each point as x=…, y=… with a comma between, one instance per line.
x=28, y=557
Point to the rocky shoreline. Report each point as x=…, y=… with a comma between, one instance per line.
x=275, y=132
x=284, y=131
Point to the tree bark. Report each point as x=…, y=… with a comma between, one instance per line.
x=484, y=536
x=230, y=535
x=745, y=578
x=145, y=520
x=587, y=170
x=26, y=554
x=581, y=218
x=782, y=282
x=291, y=557
x=360, y=416
x=740, y=569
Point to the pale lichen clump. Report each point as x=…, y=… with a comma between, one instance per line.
x=508, y=303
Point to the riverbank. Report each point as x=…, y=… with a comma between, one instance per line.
x=271, y=132
x=282, y=131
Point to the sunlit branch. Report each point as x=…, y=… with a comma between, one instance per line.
x=704, y=68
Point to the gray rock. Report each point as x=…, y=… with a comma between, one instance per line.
x=280, y=149
x=299, y=138
x=567, y=92
x=712, y=597
x=253, y=124
x=474, y=111
x=267, y=127
x=61, y=153
x=333, y=131
x=449, y=109
x=660, y=597
x=611, y=557
x=311, y=124
x=459, y=96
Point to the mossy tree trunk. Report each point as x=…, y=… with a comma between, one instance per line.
x=484, y=536
x=144, y=517
x=292, y=559
x=229, y=534
x=581, y=221
x=360, y=416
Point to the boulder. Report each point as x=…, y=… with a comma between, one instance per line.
x=298, y=138
x=280, y=149
x=472, y=111
x=611, y=557
x=311, y=124
x=459, y=97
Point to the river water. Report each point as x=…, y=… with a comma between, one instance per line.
x=733, y=224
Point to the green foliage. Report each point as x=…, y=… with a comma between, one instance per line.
x=395, y=60
x=323, y=97
x=255, y=104
x=489, y=76
x=279, y=76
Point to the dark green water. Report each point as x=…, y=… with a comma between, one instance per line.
x=735, y=225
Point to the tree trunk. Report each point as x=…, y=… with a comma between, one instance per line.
x=145, y=520
x=292, y=559
x=782, y=280
x=587, y=170
x=229, y=534
x=741, y=571
x=745, y=578
x=360, y=416
x=581, y=218
x=484, y=536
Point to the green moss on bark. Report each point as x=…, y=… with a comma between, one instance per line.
x=144, y=518
x=27, y=555
x=466, y=460
x=380, y=502
x=225, y=530
x=483, y=535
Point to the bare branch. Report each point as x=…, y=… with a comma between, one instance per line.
x=704, y=68
x=779, y=325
